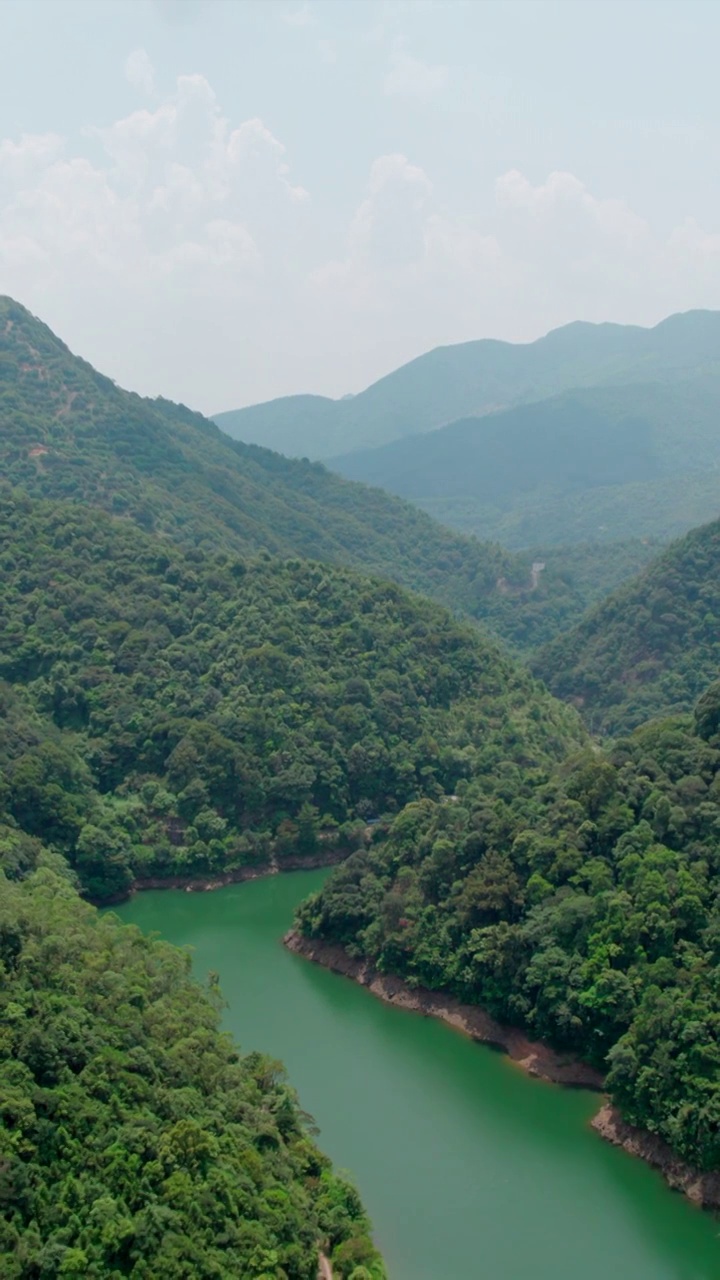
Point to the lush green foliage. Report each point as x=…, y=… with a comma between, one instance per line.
x=69, y=433
x=201, y=713
x=134, y=1141
x=651, y=647
x=178, y=702
x=595, y=463
x=478, y=377
x=585, y=907
x=571, y=580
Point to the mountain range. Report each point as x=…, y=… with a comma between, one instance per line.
x=474, y=378
x=204, y=671
x=67, y=432
x=576, y=438
x=596, y=463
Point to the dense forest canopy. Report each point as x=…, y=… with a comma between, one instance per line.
x=69, y=433
x=134, y=1139
x=651, y=647
x=474, y=378
x=173, y=712
x=195, y=680
x=585, y=908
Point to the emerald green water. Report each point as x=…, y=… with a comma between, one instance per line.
x=469, y=1169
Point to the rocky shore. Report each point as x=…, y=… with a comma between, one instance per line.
x=536, y=1058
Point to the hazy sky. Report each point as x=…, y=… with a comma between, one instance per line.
x=227, y=200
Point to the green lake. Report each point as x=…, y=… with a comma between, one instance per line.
x=467, y=1167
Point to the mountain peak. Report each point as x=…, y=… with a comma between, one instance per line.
x=474, y=378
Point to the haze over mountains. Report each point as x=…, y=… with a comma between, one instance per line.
x=577, y=437
x=598, y=463
x=474, y=378
x=70, y=433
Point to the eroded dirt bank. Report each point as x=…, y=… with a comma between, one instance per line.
x=701, y=1188
x=536, y=1058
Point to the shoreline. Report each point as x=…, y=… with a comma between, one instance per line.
x=221, y=880
x=535, y=1057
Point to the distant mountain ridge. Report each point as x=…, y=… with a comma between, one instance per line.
x=67, y=432
x=475, y=378
x=592, y=462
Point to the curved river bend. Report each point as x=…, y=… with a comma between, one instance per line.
x=470, y=1169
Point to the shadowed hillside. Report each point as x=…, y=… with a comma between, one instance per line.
x=591, y=464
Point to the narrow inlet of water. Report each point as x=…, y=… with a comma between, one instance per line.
x=468, y=1168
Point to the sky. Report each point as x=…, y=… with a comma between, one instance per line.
x=223, y=201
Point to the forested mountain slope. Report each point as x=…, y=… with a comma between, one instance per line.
x=67, y=432
x=590, y=463
x=171, y=712
x=586, y=909
x=477, y=377
x=134, y=1141
x=651, y=647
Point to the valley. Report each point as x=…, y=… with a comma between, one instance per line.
x=359, y=640
x=217, y=661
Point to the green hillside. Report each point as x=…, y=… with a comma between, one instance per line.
x=585, y=908
x=66, y=432
x=651, y=647
x=168, y=711
x=195, y=680
x=134, y=1140
x=596, y=463
x=478, y=377
x=190, y=713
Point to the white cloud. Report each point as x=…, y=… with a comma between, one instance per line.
x=564, y=195
x=140, y=73
x=178, y=251
x=416, y=274
x=158, y=246
x=406, y=255
x=177, y=185
x=387, y=229
x=408, y=77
